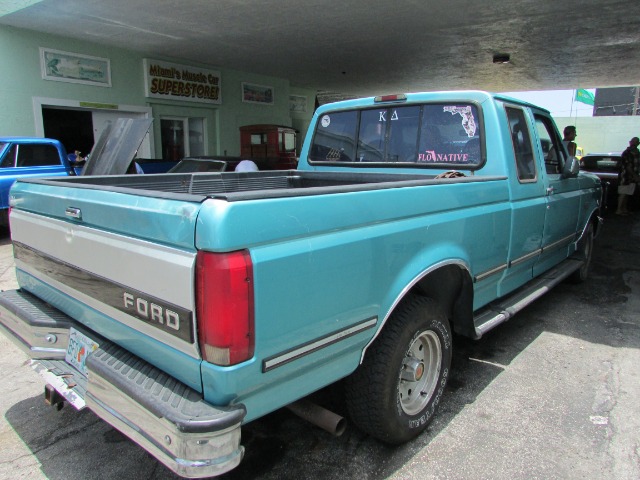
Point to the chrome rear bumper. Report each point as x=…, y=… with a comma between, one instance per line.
x=164, y=416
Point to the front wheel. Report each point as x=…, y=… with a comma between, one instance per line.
x=394, y=394
x=584, y=251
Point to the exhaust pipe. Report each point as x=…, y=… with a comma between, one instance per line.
x=319, y=416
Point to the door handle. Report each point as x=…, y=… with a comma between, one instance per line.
x=549, y=190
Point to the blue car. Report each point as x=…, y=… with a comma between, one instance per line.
x=29, y=157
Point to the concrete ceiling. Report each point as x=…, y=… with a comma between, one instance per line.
x=367, y=47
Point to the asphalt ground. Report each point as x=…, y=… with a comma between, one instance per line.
x=552, y=394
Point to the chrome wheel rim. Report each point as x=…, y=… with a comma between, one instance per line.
x=420, y=372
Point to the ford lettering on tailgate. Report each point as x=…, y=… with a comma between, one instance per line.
x=151, y=311
x=170, y=318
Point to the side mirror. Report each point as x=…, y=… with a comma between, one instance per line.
x=571, y=168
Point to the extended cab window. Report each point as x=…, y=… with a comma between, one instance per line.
x=551, y=145
x=435, y=135
x=522, y=146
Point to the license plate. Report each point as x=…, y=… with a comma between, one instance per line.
x=80, y=346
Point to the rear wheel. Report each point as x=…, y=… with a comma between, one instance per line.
x=395, y=392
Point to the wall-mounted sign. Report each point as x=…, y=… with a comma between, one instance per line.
x=297, y=103
x=101, y=106
x=257, y=93
x=171, y=81
x=75, y=68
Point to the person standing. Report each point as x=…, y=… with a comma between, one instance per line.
x=629, y=175
x=570, y=135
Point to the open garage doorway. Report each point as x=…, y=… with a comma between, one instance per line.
x=74, y=128
x=78, y=125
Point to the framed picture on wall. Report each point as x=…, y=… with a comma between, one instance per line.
x=297, y=103
x=62, y=66
x=257, y=94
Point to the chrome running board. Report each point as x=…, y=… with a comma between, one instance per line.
x=503, y=309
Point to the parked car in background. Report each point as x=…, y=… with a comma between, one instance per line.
x=194, y=165
x=606, y=166
x=22, y=157
x=271, y=147
x=155, y=165
x=232, y=162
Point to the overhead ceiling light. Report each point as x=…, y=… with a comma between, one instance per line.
x=501, y=58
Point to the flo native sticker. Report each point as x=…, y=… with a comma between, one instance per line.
x=325, y=121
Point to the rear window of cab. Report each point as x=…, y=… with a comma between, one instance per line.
x=429, y=135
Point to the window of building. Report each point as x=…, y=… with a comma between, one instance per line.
x=182, y=137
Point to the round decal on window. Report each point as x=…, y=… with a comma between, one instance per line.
x=326, y=121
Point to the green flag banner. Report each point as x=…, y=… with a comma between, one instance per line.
x=584, y=96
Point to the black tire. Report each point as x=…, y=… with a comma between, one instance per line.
x=584, y=252
x=4, y=218
x=390, y=396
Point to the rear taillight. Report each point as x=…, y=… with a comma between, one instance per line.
x=224, y=296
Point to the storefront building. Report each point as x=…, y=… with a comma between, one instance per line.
x=68, y=89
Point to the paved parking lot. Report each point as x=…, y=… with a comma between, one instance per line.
x=552, y=394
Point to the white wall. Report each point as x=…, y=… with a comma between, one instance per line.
x=602, y=134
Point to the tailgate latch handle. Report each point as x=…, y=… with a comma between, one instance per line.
x=73, y=212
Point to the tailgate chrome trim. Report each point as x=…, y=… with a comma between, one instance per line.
x=150, y=310
x=157, y=271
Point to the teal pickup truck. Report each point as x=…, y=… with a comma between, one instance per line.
x=179, y=307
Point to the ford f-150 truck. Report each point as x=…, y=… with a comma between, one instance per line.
x=179, y=307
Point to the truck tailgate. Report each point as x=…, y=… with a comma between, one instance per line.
x=135, y=290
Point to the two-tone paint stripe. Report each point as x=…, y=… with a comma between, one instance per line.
x=313, y=346
x=145, y=307
x=528, y=256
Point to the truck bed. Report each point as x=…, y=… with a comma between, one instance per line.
x=233, y=186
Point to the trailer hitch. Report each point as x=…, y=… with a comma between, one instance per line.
x=53, y=398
